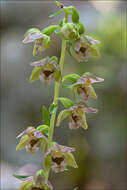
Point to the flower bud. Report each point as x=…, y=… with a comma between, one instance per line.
x=69, y=31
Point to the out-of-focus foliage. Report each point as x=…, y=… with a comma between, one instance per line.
x=112, y=33
x=102, y=149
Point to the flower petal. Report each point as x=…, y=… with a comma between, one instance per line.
x=91, y=40
x=38, y=134
x=32, y=38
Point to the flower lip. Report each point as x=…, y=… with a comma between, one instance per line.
x=75, y=121
x=33, y=145
x=58, y=160
x=47, y=73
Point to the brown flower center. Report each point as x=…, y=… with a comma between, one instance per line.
x=58, y=160
x=82, y=49
x=33, y=142
x=47, y=73
x=76, y=118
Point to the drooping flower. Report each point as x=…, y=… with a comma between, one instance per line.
x=30, y=140
x=84, y=88
x=76, y=116
x=46, y=70
x=82, y=49
x=42, y=41
x=60, y=157
x=36, y=182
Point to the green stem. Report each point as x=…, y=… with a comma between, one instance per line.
x=56, y=94
x=56, y=91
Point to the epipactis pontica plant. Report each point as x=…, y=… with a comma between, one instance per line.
x=81, y=46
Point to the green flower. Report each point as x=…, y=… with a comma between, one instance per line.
x=76, y=116
x=82, y=49
x=59, y=157
x=42, y=41
x=46, y=70
x=36, y=182
x=84, y=88
x=30, y=140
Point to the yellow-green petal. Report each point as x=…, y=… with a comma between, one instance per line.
x=22, y=142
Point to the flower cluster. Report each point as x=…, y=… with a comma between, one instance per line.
x=58, y=157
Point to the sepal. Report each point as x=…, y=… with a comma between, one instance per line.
x=62, y=115
x=22, y=143
x=70, y=160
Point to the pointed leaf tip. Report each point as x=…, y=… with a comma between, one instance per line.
x=67, y=103
x=45, y=116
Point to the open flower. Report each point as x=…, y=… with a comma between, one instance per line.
x=76, y=116
x=84, y=88
x=36, y=182
x=42, y=41
x=46, y=70
x=30, y=140
x=83, y=48
x=59, y=158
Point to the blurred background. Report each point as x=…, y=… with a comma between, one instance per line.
x=101, y=150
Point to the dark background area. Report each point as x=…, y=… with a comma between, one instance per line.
x=101, y=150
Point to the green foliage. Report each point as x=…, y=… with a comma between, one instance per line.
x=67, y=103
x=53, y=108
x=43, y=128
x=75, y=15
x=71, y=77
x=45, y=116
x=50, y=29
x=21, y=177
